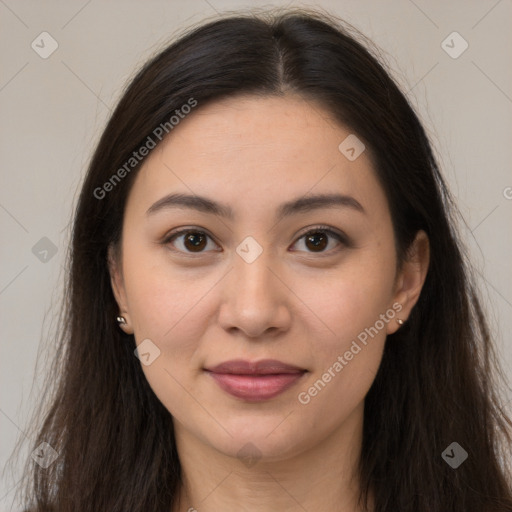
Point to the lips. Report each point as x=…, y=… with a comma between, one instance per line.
x=255, y=381
x=264, y=367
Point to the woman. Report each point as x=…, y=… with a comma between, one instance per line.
x=268, y=305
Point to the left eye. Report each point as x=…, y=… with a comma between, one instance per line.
x=195, y=241
x=318, y=239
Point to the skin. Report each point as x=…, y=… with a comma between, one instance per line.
x=293, y=303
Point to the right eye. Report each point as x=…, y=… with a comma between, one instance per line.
x=191, y=240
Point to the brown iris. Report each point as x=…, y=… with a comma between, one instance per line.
x=318, y=240
x=195, y=241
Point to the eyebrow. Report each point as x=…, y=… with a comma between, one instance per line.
x=301, y=205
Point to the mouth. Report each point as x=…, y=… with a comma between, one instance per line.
x=255, y=381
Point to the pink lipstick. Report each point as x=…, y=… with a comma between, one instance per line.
x=255, y=381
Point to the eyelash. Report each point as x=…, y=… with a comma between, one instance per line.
x=321, y=228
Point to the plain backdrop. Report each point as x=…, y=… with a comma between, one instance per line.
x=53, y=110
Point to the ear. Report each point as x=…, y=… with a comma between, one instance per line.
x=410, y=279
x=118, y=289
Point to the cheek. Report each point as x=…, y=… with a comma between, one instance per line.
x=349, y=349
x=162, y=298
x=343, y=304
x=332, y=395
x=350, y=337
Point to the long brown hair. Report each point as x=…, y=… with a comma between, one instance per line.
x=439, y=381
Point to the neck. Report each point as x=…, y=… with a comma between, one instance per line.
x=323, y=477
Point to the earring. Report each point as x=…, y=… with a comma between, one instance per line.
x=121, y=320
x=399, y=321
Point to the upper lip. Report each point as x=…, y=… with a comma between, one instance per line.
x=263, y=367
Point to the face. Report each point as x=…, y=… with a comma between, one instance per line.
x=289, y=255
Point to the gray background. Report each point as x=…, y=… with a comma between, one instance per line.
x=53, y=111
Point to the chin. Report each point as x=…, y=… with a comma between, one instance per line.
x=253, y=439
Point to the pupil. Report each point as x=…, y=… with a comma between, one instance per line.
x=321, y=244
x=196, y=239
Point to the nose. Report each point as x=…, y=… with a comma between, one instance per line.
x=255, y=300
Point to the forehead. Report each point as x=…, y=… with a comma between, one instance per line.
x=252, y=152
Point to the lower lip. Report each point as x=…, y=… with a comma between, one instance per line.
x=256, y=388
